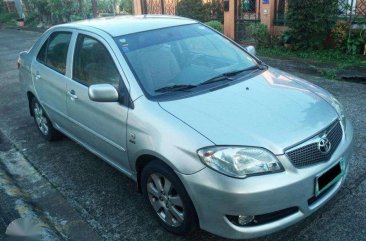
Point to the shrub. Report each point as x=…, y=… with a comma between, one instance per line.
x=311, y=21
x=215, y=10
x=340, y=34
x=356, y=42
x=5, y=17
x=259, y=32
x=216, y=25
x=126, y=6
x=194, y=9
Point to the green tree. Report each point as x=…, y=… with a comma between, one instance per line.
x=216, y=25
x=215, y=10
x=310, y=22
x=194, y=9
x=126, y=6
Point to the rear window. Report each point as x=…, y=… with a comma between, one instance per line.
x=54, y=51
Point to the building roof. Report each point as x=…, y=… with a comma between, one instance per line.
x=122, y=25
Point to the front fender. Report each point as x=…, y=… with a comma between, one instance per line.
x=153, y=131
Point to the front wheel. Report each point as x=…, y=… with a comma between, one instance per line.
x=43, y=123
x=168, y=198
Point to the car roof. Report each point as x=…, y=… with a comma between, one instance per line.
x=122, y=25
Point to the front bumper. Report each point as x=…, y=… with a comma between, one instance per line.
x=215, y=196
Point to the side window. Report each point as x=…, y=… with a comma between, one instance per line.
x=93, y=64
x=54, y=51
x=41, y=57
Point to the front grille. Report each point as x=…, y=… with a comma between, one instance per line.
x=310, y=154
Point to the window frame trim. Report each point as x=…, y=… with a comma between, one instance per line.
x=76, y=47
x=47, y=41
x=124, y=86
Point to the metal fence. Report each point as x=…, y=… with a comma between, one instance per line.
x=159, y=6
x=247, y=13
x=359, y=11
x=168, y=7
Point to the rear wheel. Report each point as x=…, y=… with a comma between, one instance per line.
x=168, y=198
x=43, y=123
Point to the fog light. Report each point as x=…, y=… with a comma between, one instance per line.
x=243, y=220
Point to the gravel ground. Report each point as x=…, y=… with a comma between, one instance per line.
x=108, y=201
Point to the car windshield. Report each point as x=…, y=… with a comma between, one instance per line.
x=182, y=57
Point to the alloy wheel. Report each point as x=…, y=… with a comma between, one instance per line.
x=41, y=119
x=165, y=200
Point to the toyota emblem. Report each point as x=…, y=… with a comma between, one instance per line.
x=324, y=145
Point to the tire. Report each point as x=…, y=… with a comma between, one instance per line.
x=43, y=123
x=174, y=203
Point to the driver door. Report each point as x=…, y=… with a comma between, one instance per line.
x=101, y=127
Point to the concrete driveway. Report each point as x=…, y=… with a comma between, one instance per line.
x=82, y=198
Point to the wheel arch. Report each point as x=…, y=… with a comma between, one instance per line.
x=30, y=96
x=142, y=161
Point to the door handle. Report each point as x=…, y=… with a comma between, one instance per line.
x=37, y=76
x=72, y=94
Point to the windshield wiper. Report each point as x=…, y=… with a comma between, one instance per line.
x=227, y=76
x=173, y=88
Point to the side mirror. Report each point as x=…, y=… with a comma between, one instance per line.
x=103, y=93
x=251, y=50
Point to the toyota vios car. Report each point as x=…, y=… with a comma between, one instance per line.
x=213, y=137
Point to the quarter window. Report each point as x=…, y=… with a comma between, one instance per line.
x=54, y=51
x=93, y=64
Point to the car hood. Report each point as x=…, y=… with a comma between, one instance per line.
x=272, y=110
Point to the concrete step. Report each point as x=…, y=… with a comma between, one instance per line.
x=25, y=193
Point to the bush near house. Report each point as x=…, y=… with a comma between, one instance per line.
x=310, y=22
x=340, y=34
x=315, y=28
x=260, y=34
x=197, y=9
x=216, y=25
x=192, y=9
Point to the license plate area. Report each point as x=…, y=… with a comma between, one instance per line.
x=328, y=178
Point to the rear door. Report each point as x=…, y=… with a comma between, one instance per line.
x=100, y=126
x=49, y=75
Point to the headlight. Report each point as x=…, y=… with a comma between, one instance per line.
x=339, y=108
x=239, y=162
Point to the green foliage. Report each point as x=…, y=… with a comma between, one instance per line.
x=328, y=61
x=60, y=11
x=204, y=12
x=216, y=25
x=340, y=34
x=215, y=10
x=310, y=22
x=356, y=42
x=260, y=33
x=194, y=9
x=5, y=17
x=338, y=57
x=285, y=38
x=55, y=11
x=126, y=6
x=8, y=18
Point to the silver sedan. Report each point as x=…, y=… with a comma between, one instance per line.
x=213, y=137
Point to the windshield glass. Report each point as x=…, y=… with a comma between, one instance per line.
x=182, y=55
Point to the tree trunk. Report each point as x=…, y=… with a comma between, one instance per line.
x=95, y=10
